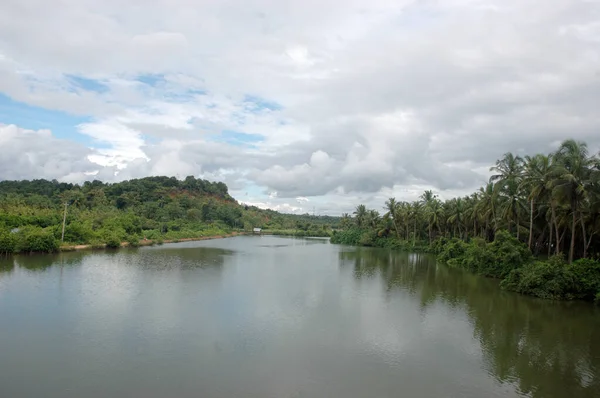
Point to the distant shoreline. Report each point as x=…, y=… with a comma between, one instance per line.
x=149, y=242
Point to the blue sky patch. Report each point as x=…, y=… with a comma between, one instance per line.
x=257, y=104
x=237, y=138
x=62, y=124
x=152, y=79
x=87, y=84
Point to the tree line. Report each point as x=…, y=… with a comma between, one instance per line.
x=34, y=213
x=550, y=203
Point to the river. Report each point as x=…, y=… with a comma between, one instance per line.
x=264, y=317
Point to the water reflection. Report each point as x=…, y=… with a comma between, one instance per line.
x=547, y=349
x=7, y=264
x=41, y=262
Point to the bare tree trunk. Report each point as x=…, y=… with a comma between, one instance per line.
x=555, y=227
x=396, y=227
x=62, y=238
x=572, y=249
x=531, y=224
x=589, y=241
x=584, y=235
x=550, y=240
x=430, y=233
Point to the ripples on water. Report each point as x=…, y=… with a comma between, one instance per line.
x=279, y=317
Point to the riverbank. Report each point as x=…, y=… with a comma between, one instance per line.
x=506, y=259
x=298, y=233
x=149, y=242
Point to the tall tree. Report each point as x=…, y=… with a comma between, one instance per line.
x=574, y=180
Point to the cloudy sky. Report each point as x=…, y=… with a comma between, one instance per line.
x=296, y=105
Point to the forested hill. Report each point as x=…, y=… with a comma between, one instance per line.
x=122, y=194
x=31, y=213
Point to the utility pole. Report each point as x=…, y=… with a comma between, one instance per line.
x=62, y=239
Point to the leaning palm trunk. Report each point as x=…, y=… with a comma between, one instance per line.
x=552, y=206
x=550, y=240
x=531, y=224
x=430, y=233
x=572, y=249
x=396, y=227
x=584, y=235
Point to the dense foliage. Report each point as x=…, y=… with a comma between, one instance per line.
x=153, y=208
x=548, y=204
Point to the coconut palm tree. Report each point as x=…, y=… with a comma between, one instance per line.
x=360, y=213
x=392, y=210
x=574, y=179
x=538, y=177
x=486, y=205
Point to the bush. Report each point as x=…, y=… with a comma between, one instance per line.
x=496, y=259
x=112, y=241
x=133, y=240
x=508, y=253
x=347, y=237
x=550, y=279
x=586, y=273
x=8, y=242
x=33, y=239
x=453, y=249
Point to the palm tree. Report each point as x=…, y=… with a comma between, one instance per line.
x=456, y=215
x=346, y=220
x=392, y=207
x=372, y=218
x=415, y=216
x=486, y=205
x=427, y=199
x=537, y=179
x=360, y=213
x=510, y=167
x=574, y=179
x=509, y=173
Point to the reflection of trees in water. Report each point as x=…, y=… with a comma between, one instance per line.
x=40, y=262
x=181, y=258
x=7, y=264
x=548, y=349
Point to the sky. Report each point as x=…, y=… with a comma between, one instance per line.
x=300, y=106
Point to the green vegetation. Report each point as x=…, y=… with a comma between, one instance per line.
x=150, y=209
x=530, y=208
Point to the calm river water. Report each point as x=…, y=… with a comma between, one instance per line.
x=263, y=317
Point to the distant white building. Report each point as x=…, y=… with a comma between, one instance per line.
x=257, y=230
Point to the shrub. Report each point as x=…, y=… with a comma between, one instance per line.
x=112, y=241
x=368, y=238
x=550, y=279
x=34, y=239
x=508, y=254
x=347, y=237
x=133, y=240
x=586, y=273
x=8, y=242
x=453, y=249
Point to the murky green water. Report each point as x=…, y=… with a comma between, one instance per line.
x=276, y=317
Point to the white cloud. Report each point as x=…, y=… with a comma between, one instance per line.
x=353, y=101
